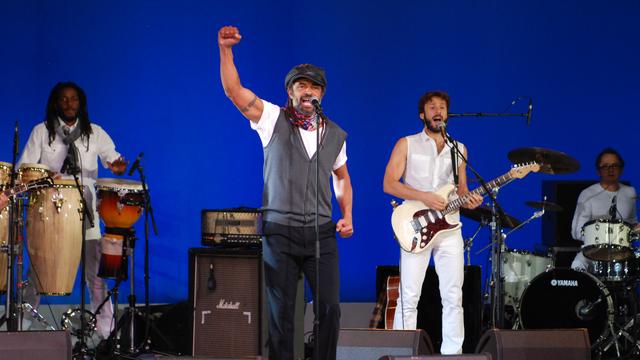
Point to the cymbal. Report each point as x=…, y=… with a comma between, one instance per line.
x=551, y=161
x=547, y=205
x=484, y=213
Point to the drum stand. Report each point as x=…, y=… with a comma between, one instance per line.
x=622, y=338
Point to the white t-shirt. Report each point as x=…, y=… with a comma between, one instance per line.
x=38, y=151
x=594, y=202
x=267, y=124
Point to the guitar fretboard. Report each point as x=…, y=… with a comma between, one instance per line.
x=454, y=205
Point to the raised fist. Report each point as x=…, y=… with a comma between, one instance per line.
x=229, y=36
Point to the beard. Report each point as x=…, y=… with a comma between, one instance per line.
x=433, y=127
x=65, y=118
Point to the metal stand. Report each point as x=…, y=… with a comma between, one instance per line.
x=14, y=229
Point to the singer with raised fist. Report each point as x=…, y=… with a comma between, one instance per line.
x=607, y=200
x=67, y=142
x=288, y=137
x=419, y=165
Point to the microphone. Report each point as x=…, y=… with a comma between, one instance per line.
x=211, y=281
x=316, y=103
x=529, y=112
x=443, y=131
x=15, y=139
x=585, y=310
x=136, y=164
x=613, y=210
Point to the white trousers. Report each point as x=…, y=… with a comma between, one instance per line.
x=580, y=262
x=448, y=256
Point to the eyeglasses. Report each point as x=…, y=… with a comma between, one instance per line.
x=610, y=167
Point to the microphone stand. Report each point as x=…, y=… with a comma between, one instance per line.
x=316, y=320
x=497, y=318
x=70, y=167
x=526, y=115
x=148, y=212
x=10, y=311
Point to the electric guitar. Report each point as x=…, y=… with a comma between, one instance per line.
x=415, y=226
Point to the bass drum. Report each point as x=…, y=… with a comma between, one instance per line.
x=567, y=299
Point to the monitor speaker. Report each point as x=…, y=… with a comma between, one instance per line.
x=375, y=343
x=557, y=344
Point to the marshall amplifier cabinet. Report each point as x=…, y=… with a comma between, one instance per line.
x=228, y=319
x=231, y=227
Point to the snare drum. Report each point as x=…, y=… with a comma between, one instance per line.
x=120, y=202
x=5, y=173
x=519, y=268
x=31, y=172
x=54, y=236
x=606, y=240
x=113, y=264
x=616, y=271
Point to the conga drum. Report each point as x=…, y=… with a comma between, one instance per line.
x=119, y=202
x=4, y=240
x=30, y=172
x=113, y=261
x=5, y=180
x=54, y=236
x=5, y=173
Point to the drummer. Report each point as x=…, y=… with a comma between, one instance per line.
x=66, y=118
x=608, y=199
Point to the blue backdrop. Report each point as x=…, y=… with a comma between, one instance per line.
x=150, y=69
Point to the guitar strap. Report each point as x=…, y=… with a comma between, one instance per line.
x=454, y=162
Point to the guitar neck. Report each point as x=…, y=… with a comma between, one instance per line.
x=455, y=205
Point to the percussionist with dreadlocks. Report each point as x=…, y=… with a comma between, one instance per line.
x=67, y=122
x=288, y=138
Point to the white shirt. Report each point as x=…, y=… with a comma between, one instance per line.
x=267, y=124
x=594, y=202
x=37, y=150
x=427, y=170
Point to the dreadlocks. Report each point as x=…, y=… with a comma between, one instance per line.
x=52, y=113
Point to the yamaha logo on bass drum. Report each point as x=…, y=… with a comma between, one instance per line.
x=561, y=282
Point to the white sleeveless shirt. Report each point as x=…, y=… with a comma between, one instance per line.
x=427, y=170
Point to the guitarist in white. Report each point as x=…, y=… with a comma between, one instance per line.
x=424, y=162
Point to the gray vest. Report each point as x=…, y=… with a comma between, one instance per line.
x=290, y=176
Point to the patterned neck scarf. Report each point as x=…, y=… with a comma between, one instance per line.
x=307, y=122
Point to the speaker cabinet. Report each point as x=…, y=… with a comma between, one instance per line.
x=485, y=356
x=430, y=304
x=35, y=345
x=228, y=320
x=375, y=343
x=560, y=344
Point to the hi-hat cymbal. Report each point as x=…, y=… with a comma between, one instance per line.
x=551, y=161
x=547, y=205
x=483, y=213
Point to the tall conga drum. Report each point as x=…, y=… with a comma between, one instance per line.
x=119, y=204
x=5, y=173
x=30, y=172
x=4, y=240
x=5, y=181
x=54, y=236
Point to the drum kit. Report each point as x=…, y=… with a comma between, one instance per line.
x=602, y=299
x=54, y=223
